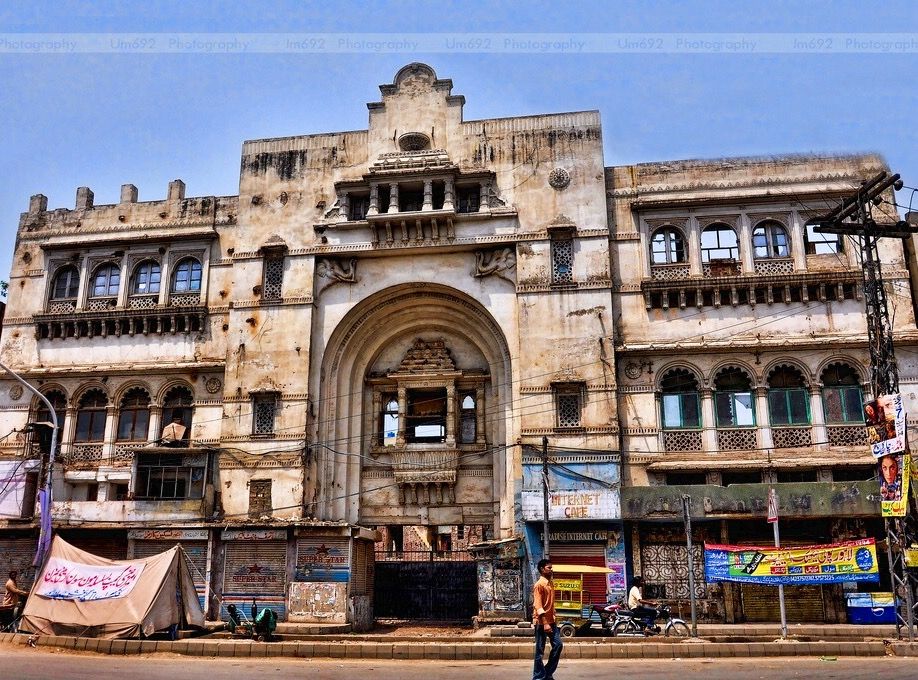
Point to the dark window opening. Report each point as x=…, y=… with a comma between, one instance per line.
x=438, y=195
x=410, y=200
x=728, y=477
x=91, y=417
x=357, y=206
x=685, y=478
x=426, y=418
x=259, y=497
x=467, y=199
x=854, y=473
x=384, y=198
x=134, y=416
x=166, y=477
x=796, y=476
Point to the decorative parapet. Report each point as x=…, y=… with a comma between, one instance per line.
x=155, y=320
x=425, y=476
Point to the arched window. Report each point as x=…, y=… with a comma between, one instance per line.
x=66, y=284
x=187, y=276
x=719, y=242
x=146, y=278
x=43, y=415
x=842, y=396
x=134, y=416
x=106, y=280
x=467, y=418
x=680, y=404
x=769, y=240
x=178, y=403
x=788, y=397
x=818, y=243
x=667, y=246
x=733, y=399
x=90, y=426
x=388, y=421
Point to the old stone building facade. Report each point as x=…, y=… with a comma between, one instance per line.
x=333, y=388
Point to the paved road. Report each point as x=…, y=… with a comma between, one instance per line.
x=23, y=663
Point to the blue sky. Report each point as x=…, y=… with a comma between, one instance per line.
x=111, y=116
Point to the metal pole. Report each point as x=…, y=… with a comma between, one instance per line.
x=545, y=497
x=687, y=517
x=780, y=588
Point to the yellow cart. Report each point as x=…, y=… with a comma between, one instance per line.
x=573, y=607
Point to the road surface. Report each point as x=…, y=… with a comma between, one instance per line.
x=24, y=663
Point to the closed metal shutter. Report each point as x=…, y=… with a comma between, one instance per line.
x=196, y=551
x=324, y=559
x=17, y=554
x=590, y=554
x=255, y=570
x=362, y=568
x=111, y=545
x=801, y=603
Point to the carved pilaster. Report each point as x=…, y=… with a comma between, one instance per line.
x=393, y=198
x=373, y=208
x=428, y=195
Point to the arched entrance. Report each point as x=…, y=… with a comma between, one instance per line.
x=415, y=394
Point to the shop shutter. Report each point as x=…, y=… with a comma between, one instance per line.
x=196, y=551
x=18, y=553
x=111, y=545
x=255, y=570
x=323, y=559
x=802, y=604
x=591, y=554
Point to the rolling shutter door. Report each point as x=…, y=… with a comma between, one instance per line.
x=591, y=554
x=196, y=551
x=255, y=570
x=17, y=553
x=323, y=559
x=111, y=545
x=801, y=603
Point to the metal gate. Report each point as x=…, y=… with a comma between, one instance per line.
x=426, y=585
x=255, y=570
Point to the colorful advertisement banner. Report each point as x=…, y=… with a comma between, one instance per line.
x=65, y=580
x=803, y=565
x=885, y=418
x=894, y=472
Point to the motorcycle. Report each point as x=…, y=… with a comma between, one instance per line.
x=622, y=622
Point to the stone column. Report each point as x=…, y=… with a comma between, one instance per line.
x=745, y=244
x=479, y=415
x=344, y=206
x=693, y=233
x=67, y=429
x=448, y=195
x=818, y=418
x=761, y=418
x=111, y=431
x=393, y=198
x=124, y=288
x=797, y=242
x=373, y=208
x=402, y=415
x=428, y=195
x=85, y=284
x=377, y=419
x=708, y=421
x=483, y=196
x=156, y=423
x=451, y=414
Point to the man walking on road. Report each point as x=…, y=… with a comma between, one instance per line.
x=543, y=620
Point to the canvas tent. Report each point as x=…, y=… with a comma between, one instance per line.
x=78, y=593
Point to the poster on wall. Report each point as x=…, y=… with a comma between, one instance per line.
x=885, y=421
x=894, y=472
x=802, y=565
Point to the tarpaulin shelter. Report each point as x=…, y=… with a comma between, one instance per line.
x=78, y=593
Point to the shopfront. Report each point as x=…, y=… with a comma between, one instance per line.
x=149, y=542
x=255, y=568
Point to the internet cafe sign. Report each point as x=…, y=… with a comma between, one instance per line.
x=573, y=504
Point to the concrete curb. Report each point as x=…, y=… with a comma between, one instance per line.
x=459, y=651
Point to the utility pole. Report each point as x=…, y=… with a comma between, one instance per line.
x=687, y=520
x=545, y=497
x=854, y=216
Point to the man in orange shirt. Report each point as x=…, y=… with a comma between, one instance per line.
x=543, y=620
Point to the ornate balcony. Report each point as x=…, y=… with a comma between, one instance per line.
x=184, y=314
x=847, y=435
x=425, y=476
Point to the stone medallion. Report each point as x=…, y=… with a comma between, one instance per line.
x=559, y=178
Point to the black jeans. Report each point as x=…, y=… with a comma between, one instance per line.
x=647, y=614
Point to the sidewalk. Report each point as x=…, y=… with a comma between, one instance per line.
x=469, y=649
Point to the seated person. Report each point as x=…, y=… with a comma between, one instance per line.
x=643, y=610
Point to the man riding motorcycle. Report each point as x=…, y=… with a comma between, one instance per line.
x=643, y=610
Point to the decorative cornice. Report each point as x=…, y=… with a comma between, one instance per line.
x=577, y=285
x=572, y=432
x=283, y=302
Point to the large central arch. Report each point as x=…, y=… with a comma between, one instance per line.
x=397, y=316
